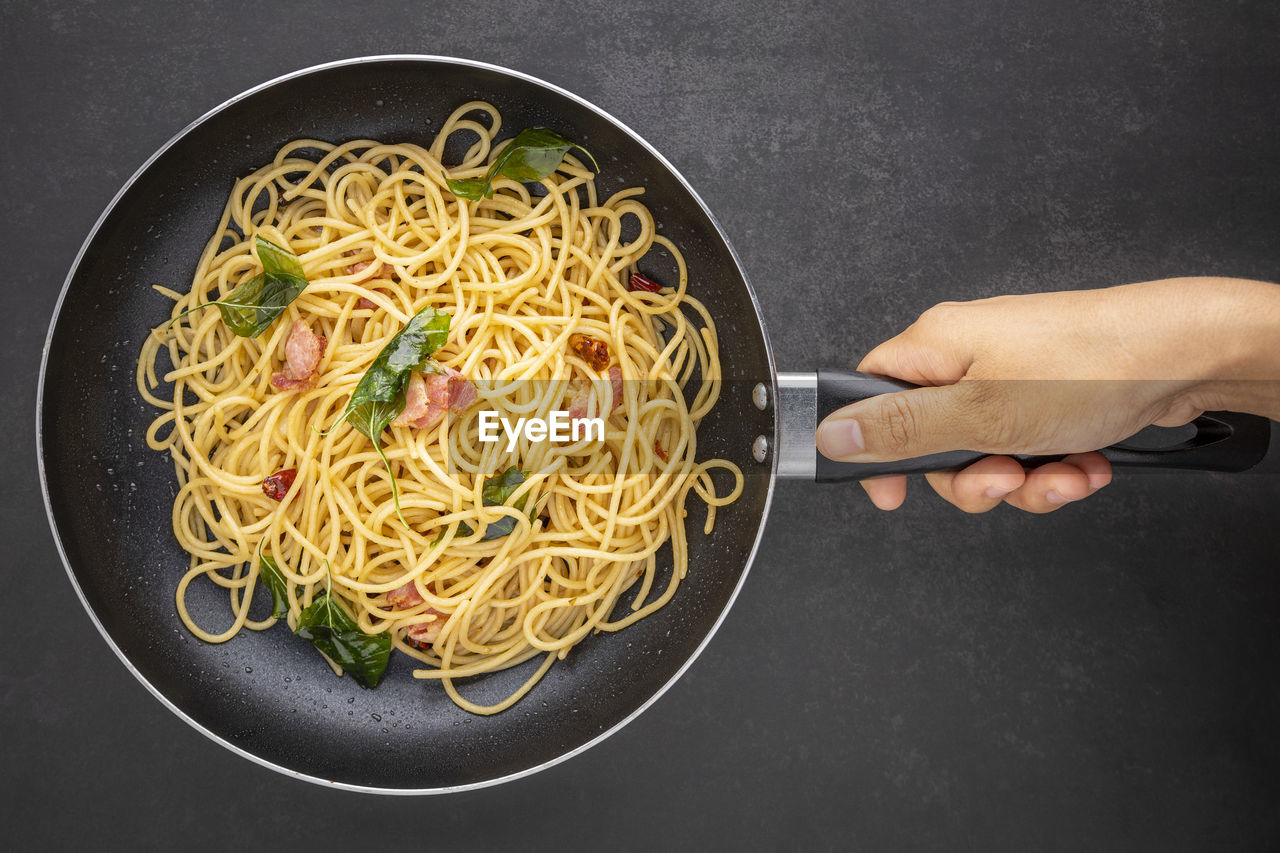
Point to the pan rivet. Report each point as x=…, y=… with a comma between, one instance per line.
x=760, y=448
x=760, y=396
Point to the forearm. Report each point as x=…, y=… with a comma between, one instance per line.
x=1236, y=333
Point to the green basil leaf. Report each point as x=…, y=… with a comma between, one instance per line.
x=277, y=260
x=333, y=632
x=379, y=396
x=496, y=492
x=497, y=489
x=373, y=416
x=534, y=154
x=501, y=527
x=253, y=306
x=472, y=189
x=274, y=580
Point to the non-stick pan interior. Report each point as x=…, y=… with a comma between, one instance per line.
x=269, y=693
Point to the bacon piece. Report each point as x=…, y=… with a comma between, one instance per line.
x=593, y=351
x=657, y=448
x=429, y=397
x=581, y=397
x=277, y=485
x=424, y=633
x=302, y=354
x=366, y=302
x=377, y=269
x=578, y=405
x=437, y=387
x=404, y=597
x=415, y=402
x=615, y=384
x=462, y=393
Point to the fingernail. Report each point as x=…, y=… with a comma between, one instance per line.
x=1053, y=496
x=1097, y=482
x=997, y=492
x=840, y=438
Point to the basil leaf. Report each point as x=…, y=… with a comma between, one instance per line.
x=379, y=396
x=501, y=527
x=534, y=154
x=333, y=632
x=253, y=306
x=274, y=580
x=372, y=417
x=496, y=491
x=471, y=189
x=278, y=261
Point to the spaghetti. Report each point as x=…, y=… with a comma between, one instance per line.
x=525, y=276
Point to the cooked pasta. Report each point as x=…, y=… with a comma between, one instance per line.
x=537, y=285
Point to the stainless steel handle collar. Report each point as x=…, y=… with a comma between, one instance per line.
x=798, y=415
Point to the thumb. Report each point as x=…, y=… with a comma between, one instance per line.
x=902, y=425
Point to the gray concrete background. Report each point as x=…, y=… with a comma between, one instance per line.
x=1103, y=678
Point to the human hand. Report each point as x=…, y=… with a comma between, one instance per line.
x=1058, y=373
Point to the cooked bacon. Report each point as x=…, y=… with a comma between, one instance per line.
x=462, y=393
x=429, y=397
x=615, y=385
x=366, y=302
x=415, y=402
x=657, y=448
x=302, y=354
x=424, y=633
x=593, y=351
x=277, y=485
x=404, y=597
x=578, y=405
x=581, y=397
x=377, y=269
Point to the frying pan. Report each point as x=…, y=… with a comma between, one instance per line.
x=271, y=698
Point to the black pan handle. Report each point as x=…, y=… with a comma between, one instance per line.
x=1223, y=441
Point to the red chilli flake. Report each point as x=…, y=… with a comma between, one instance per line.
x=657, y=448
x=593, y=351
x=639, y=282
x=277, y=485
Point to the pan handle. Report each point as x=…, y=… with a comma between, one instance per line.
x=1223, y=441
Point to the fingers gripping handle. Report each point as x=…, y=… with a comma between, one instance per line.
x=838, y=389
x=1223, y=441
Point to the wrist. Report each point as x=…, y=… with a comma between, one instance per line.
x=1231, y=344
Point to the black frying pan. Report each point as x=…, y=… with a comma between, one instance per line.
x=264, y=694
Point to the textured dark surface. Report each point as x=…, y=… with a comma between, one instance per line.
x=1104, y=677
